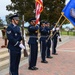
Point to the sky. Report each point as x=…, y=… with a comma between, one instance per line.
x=3, y=11
x=66, y=1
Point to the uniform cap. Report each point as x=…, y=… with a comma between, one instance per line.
x=42, y=22
x=32, y=19
x=54, y=24
x=15, y=17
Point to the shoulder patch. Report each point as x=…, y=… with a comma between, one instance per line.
x=8, y=32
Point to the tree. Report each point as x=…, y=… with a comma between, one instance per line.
x=23, y=7
x=1, y=22
x=7, y=18
x=52, y=9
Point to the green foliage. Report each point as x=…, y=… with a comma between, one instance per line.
x=7, y=18
x=52, y=9
x=70, y=33
x=1, y=21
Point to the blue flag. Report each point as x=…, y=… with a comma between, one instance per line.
x=69, y=11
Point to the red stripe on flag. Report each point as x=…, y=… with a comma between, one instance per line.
x=39, y=9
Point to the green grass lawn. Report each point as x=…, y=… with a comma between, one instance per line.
x=67, y=33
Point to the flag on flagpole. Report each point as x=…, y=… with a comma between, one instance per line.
x=69, y=11
x=38, y=10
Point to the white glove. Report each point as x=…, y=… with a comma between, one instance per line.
x=57, y=28
x=37, y=26
x=53, y=29
x=59, y=37
x=22, y=46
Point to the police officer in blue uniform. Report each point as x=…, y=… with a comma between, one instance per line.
x=43, y=37
x=33, y=44
x=48, y=53
x=55, y=37
x=14, y=44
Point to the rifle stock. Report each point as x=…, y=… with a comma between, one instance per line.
x=25, y=51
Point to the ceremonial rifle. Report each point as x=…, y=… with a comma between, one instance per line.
x=25, y=51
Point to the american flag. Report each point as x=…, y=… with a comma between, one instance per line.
x=39, y=9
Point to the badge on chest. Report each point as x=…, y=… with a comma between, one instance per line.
x=15, y=34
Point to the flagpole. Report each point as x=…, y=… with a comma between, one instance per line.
x=62, y=22
x=55, y=26
x=59, y=27
x=57, y=22
x=59, y=19
x=69, y=21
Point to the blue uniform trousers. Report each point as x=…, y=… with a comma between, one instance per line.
x=48, y=48
x=43, y=49
x=14, y=62
x=54, y=44
x=33, y=54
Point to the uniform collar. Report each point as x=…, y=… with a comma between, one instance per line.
x=14, y=25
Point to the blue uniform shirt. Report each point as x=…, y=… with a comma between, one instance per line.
x=33, y=34
x=43, y=32
x=48, y=30
x=55, y=34
x=14, y=38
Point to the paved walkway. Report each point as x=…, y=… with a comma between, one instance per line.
x=61, y=64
